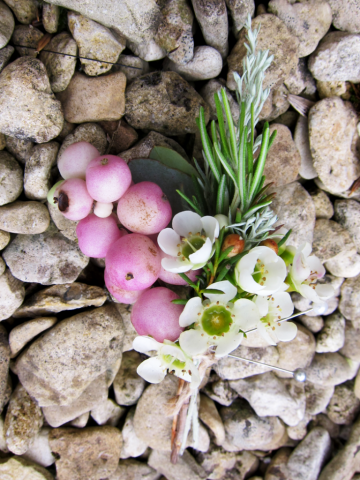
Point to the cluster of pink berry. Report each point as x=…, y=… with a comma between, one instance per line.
x=119, y=221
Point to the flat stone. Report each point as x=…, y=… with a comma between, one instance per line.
x=2, y=266
x=60, y=68
x=164, y=102
x=128, y=385
x=90, y=453
x=95, y=41
x=275, y=37
x=307, y=21
x=50, y=17
x=126, y=64
x=315, y=448
x=346, y=264
x=277, y=467
x=5, y=55
x=130, y=332
x=347, y=213
x=147, y=50
x=37, y=175
x=346, y=15
x=23, y=333
x=332, y=133
x=174, y=34
x=208, y=92
x=133, y=469
x=351, y=348
x=59, y=298
x=16, y=468
x=12, y=293
x=239, y=11
x=301, y=139
x=300, y=80
x=28, y=108
x=85, y=98
x=186, y=467
x=94, y=394
x=276, y=104
x=337, y=58
x=246, y=431
x=27, y=218
x=230, y=369
x=209, y=415
x=295, y=209
x=283, y=160
x=28, y=36
x=88, y=344
x=331, y=89
x=213, y=20
x=220, y=391
x=24, y=10
x=66, y=227
x=133, y=446
x=45, y=258
x=332, y=336
x=11, y=178
x=205, y=64
x=22, y=422
x=323, y=206
x=108, y=413
x=80, y=421
x=39, y=450
x=121, y=136
x=330, y=239
x=344, y=406
x=7, y=24
x=317, y=397
x=4, y=367
x=328, y=369
x=314, y=324
x=20, y=148
x=349, y=305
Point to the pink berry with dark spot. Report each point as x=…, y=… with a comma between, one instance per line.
x=123, y=296
x=73, y=199
x=107, y=178
x=133, y=262
x=154, y=314
x=144, y=208
x=96, y=235
x=75, y=158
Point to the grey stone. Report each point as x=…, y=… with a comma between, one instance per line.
x=80, y=421
x=209, y=415
x=132, y=446
x=346, y=15
x=295, y=209
x=148, y=50
x=108, y=413
x=39, y=450
x=85, y=99
x=220, y=391
x=330, y=239
x=60, y=68
x=90, y=453
x=314, y=324
x=11, y=178
x=275, y=37
x=328, y=369
x=347, y=213
x=213, y=20
x=15, y=468
x=130, y=332
x=125, y=64
x=186, y=467
x=246, y=431
x=28, y=36
x=277, y=468
x=95, y=340
x=37, y=175
x=22, y=422
x=344, y=405
x=220, y=464
x=2, y=266
x=27, y=218
x=20, y=148
x=95, y=41
x=205, y=64
x=128, y=385
x=5, y=391
x=164, y=102
x=346, y=264
x=332, y=337
x=5, y=55
x=24, y=10
x=12, y=293
x=337, y=58
x=50, y=17
x=7, y=24
x=133, y=470
x=349, y=305
x=208, y=92
x=239, y=11
x=351, y=348
x=49, y=258
x=301, y=139
x=334, y=88
x=28, y=108
x=300, y=80
x=23, y=333
x=87, y=132
x=332, y=133
x=276, y=104
x=317, y=397
x=66, y=227
x=174, y=34
x=323, y=206
x=308, y=21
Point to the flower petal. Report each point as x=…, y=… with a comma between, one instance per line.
x=190, y=313
x=193, y=343
x=324, y=291
x=285, y=303
x=264, y=333
x=263, y=305
x=211, y=227
x=227, y=344
x=286, y=331
x=316, y=266
x=309, y=293
x=225, y=286
x=185, y=222
x=174, y=351
x=246, y=314
x=151, y=370
x=175, y=265
x=203, y=254
x=168, y=240
x=144, y=344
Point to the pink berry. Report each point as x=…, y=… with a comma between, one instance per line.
x=73, y=199
x=123, y=296
x=144, y=208
x=107, y=178
x=75, y=158
x=96, y=235
x=154, y=314
x=133, y=262
x=174, y=278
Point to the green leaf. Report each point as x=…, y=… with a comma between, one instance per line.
x=285, y=237
x=207, y=145
x=260, y=164
x=172, y=159
x=229, y=119
x=221, y=204
x=226, y=166
x=225, y=253
x=212, y=291
x=221, y=123
x=192, y=204
x=187, y=279
x=179, y=301
x=223, y=271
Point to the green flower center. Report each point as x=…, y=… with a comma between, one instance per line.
x=172, y=361
x=216, y=320
x=260, y=272
x=192, y=245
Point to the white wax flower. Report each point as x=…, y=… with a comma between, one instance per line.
x=272, y=309
x=190, y=242
x=216, y=321
x=261, y=271
x=169, y=359
x=304, y=272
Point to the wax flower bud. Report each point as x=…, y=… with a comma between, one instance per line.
x=233, y=240
x=270, y=244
